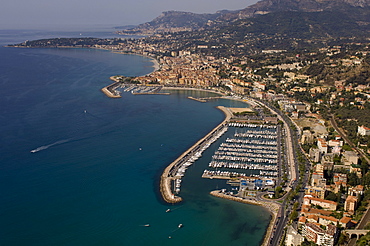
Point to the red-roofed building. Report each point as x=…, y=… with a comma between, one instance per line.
x=313, y=218
x=363, y=130
x=326, y=220
x=340, y=177
x=325, y=204
x=334, y=143
x=346, y=222
x=322, y=145
x=350, y=204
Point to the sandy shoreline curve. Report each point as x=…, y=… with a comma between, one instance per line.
x=156, y=66
x=272, y=207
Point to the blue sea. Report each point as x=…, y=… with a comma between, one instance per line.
x=94, y=180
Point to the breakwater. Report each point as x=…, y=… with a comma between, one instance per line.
x=171, y=176
x=110, y=90
x=272, y=207
x=151, y=93
x=197, y=99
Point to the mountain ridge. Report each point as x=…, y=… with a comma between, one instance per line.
x=268, y=6
x=320, y=18
x=175, y=21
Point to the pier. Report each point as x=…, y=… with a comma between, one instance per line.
x=113, y=92
x=110, y=90
x=253, y=151
x=197, y=99
x=171, y=176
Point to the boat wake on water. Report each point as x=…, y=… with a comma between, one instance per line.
x=49, y=145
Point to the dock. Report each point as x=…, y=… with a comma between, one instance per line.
x=150, y=93
x=110, y=90
x=171, y=175
x=197, y=99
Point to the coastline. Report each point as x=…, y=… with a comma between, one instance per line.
x=156, y=66
x=271, y=207
x=190, y=88
x=166, y=179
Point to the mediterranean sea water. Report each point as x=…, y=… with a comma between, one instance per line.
x=94, y=179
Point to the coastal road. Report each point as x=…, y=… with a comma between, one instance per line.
x=292, y=164
x=279, y=227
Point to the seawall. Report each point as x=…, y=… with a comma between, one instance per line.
x=167, y=178
x=109, y=90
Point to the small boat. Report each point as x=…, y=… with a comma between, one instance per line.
x=180, y=225
x=146, y=225
x=168, y=210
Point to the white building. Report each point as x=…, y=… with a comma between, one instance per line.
x=322, y=145
x=293, y=238
x=319, y=236
x=363, y=131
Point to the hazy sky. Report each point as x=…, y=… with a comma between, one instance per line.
x=49, y=13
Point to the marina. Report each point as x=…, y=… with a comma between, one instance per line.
x=115, y=89
x=179, y=169
x=252, y=148
x=170, y=183
x=142, y=89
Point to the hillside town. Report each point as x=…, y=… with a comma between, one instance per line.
x=324, y=91
x=337, y=194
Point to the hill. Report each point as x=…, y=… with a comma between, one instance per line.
x=175, y=21
x=295, y=18
x=269, y=6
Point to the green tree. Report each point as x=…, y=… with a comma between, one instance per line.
x=364, y=241
x=366, y=179
x=353, y=180
x=331, y=196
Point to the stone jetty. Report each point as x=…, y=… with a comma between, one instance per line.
x=110, y=90
x=168, y=176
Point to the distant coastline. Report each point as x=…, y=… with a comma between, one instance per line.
x=156, y=66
